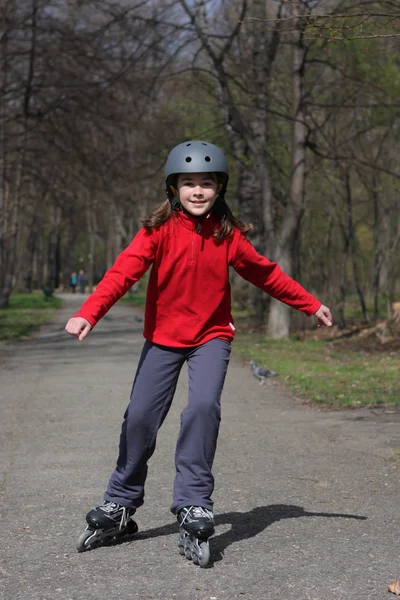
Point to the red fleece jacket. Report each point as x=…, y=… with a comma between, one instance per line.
x=188, y=296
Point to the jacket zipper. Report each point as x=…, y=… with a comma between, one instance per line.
x=192, y=261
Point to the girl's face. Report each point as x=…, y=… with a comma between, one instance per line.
x=197, y=192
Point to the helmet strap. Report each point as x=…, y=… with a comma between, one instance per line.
x=175, y=203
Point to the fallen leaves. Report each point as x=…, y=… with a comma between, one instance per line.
x=394, y=587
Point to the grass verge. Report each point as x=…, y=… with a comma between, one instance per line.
x=26, y=313
x=327, y=373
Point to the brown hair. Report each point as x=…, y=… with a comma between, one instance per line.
x=221, y=211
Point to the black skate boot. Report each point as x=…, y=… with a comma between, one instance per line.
x=106, y=523
x=196, y=525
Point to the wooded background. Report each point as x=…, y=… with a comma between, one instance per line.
x=303, y=96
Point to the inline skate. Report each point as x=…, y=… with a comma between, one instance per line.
x=106, y=523
x=196, y=525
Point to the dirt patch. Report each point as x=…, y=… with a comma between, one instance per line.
x=383, y=337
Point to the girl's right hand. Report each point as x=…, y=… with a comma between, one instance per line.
x=78, y=327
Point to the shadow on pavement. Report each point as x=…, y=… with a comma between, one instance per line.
x=244, y=525
x=250, y=524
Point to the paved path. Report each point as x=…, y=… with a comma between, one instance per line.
x=307, y=502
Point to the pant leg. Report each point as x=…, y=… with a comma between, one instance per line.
x=197, y=441
x=151, y=397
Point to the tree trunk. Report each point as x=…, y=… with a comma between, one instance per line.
x=53, y=251
x=343, y=285
x=30, y=255
x=392, y=251
x=68, y=241
x=327, y=253
x=11, y=193
x=4, y=272
x=91, y=229
x=352, y=245
x=378, y=255
x=280, y=314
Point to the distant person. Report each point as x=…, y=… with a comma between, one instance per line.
x=73, y=280
x=82, y=281
x=189, y=240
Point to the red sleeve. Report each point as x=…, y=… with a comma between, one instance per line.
x=129, y=267
x=269, y=277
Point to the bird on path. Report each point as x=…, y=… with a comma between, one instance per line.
x=261, y=373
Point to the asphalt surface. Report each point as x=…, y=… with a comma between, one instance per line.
x=306, y=501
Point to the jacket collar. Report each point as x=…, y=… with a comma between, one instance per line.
x=191, y=222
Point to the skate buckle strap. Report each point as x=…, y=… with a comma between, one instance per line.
x=112, y=507
x=198, y=512
x=109, y=507
x=125, y=517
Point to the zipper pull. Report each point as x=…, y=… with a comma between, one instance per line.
x=198, y=228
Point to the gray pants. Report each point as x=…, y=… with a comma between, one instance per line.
x=151, y=398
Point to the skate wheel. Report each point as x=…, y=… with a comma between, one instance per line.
x=82, y=544
x=188, y=553
x=204, y=554
x=131, y=527
x=181, y=548
x=195, y=558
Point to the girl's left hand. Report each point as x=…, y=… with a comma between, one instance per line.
x=324, y=316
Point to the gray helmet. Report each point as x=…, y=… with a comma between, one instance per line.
x=196, y=157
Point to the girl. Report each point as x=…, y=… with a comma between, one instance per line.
x=190, y=241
